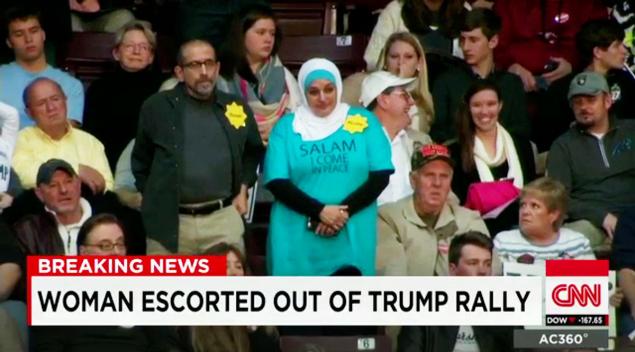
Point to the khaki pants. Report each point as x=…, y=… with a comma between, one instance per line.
x=596, y=236
x=199, y=233
x=10, y=339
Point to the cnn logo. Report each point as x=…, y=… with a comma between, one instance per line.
x=568, y=295
x=576, y=295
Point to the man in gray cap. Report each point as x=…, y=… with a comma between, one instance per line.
x=595, y=160
x=54, y=231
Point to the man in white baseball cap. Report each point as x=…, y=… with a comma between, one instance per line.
x=387, y=96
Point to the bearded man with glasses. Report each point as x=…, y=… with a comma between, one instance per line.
x=195, y=156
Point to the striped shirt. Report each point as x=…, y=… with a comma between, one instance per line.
x=570, y=245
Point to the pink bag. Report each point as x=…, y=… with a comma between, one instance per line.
x=491, y=198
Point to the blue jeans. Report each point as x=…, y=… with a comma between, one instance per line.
x=626, y=323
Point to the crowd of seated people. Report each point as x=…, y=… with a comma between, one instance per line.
x=427, y=164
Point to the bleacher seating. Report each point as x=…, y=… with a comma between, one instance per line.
x=377, y=343
x=345, y=51
x=88, y=55
x=256, y=248
x=296, y=18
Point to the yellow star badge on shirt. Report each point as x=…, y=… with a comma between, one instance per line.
x=355, y=123
x=236, y=115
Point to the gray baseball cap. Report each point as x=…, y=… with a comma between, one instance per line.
x=587, y=83
x=48, y=168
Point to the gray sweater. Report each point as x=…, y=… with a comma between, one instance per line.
x=599, y=174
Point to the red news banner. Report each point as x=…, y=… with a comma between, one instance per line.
x=60, y=268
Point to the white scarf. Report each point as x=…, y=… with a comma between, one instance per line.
x=505, y=150
x=305, y=122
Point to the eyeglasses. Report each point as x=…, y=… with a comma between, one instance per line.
x=108, y=246
x=142, y=47
x=197, y=65
x=403, y=94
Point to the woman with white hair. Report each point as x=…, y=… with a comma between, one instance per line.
x=111, y=111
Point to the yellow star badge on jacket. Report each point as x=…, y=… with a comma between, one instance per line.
x=355, y=123
x=236, y=115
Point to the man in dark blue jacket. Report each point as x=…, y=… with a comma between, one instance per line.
x=595, y=160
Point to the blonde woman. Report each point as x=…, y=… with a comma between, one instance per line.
x=402, y=56
x=434, y=22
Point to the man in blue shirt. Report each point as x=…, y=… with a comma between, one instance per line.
x=26, y=37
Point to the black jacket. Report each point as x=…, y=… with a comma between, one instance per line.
x=448, y=92
x=158, y=152
x=111, y=111
x=36, y=229
x=462, y=180
x=101, y=339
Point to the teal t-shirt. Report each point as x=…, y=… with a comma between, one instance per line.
x=328, y=170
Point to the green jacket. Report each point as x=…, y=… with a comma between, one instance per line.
x=157, y=154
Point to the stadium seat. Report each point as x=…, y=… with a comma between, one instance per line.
x=346, y=51
x=256, y=248
x=88, y=55
x=375, y=343
x=304, y=18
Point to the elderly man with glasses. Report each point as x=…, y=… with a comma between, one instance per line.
x=196, y=154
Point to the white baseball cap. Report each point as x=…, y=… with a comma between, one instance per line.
x=375, y=83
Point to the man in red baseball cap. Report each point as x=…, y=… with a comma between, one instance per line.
x=415, y=232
